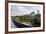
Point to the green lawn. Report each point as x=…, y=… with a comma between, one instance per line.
x=25, y=19
x=21, y=19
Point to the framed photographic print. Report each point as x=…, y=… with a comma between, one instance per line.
x=25, y=16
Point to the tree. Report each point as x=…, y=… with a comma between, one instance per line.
x=36, y=22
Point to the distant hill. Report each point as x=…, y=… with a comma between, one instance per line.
x=30, y=15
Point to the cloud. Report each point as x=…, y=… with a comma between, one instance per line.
x=22, y=10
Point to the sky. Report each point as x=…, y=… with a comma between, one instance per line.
x=17, y=10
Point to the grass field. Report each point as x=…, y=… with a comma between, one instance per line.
x=21, y=19
x=28, y=20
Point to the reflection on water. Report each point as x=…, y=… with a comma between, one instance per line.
x=13, y=25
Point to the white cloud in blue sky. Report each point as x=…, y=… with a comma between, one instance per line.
x=22, y=10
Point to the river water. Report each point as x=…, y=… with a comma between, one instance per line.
x=13, y=25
